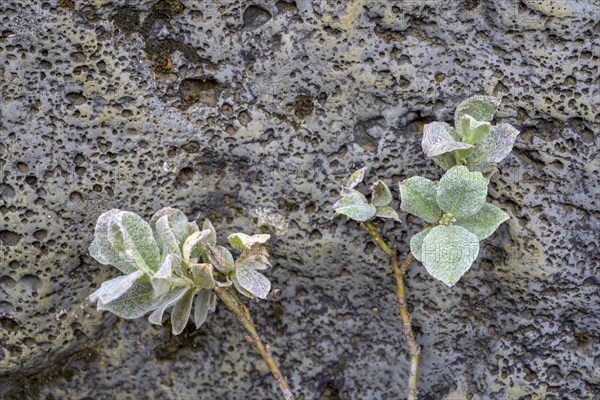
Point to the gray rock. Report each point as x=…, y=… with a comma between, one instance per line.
x=252, y=113
x=160, y=30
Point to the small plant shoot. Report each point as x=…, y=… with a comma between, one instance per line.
x=474, y=141
x=355, y=205
x=172, y=264
x=459, y=218
x=454, y=209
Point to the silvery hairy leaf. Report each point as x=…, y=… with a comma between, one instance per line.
x=102, y=249
x=203, y=276
x=194, y=247
x=132, y=237
x=115, y=287
x=485, y=222
x=356, y=178
x=418, y=197
x=212, y=236
x=493, y=149
x=205, y=302
x=137, y=301
x=166, y=235
x=220, y=258
x=156, y=316
x=182, y=310
x=481, y=108
x=177, y=221
x=473, y=131
x=381, y=195
x=416, y=243
x=438, y=139
x=387, y=212
x=447, y=252
x=241, y=241
x=360, y=212
x=461, y=193
x=253, y=281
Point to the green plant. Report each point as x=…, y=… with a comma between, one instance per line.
x=455, y=210
x=474, y=141
x=458, y=216
x=169, y=262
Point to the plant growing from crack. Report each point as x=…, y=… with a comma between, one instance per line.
x=455, y=210
x=171, y=263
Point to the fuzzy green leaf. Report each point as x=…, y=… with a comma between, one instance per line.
x=351, y=198
x=156, y=316
x=203, y=276
x=178, y=223
x=356, y=178
x=170, y=243
x=167, y=275
x=358, y=213
x=419, y=198
x=447, y=252
x=181, y=311
x=473, y=131
x=446, y=160
x=485, y=222
x=220, y=258
x=387, y=212
x=204, y=302
x=137, y=301
x=493, y=149
x=240, y=288
x=254, y=282
x=114, y=288
x=102, y=249
x=132, y=237
x=170, y=265
x=416, y=243
x=241, y=241
x=212, y=237
x=194, y=247
x=461, y=193
x=438, y=139
x=482, y=108
x=381, y=195
x=193, y=227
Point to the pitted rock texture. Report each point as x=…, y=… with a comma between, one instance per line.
x=252, y=113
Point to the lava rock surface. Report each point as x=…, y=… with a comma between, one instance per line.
x=252, y=113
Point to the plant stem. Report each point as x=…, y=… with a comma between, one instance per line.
x=242, y=314
x=414, y=350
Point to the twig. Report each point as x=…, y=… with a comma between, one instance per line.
x=414, y=350
x=242, y=314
